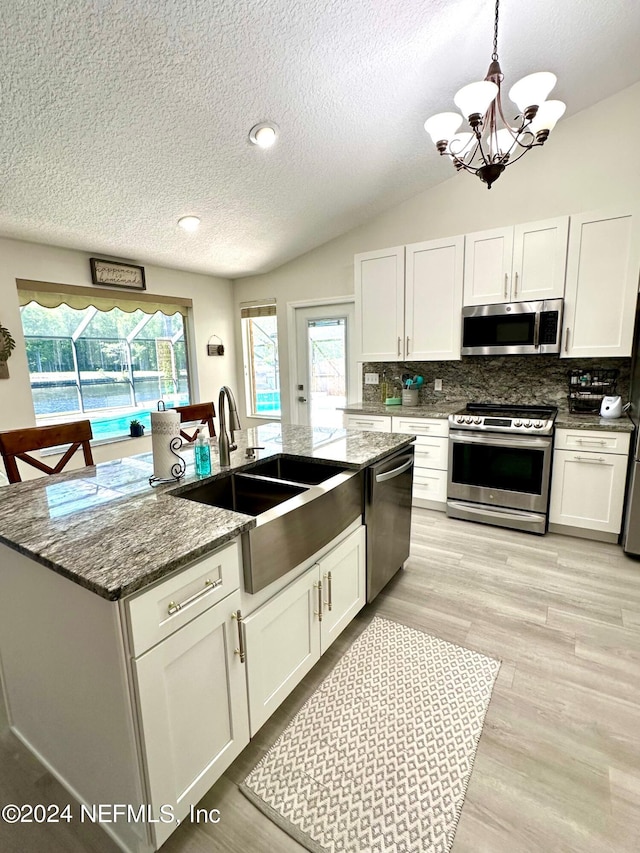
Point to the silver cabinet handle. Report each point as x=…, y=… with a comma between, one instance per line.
x=407, y=352
x=318, y=612
x=566, y=339
x=515, y=285
x=399, y=345
x=329, y=601
x=237, y=615
x=506, y=284
x=589, y=458
x=600, y=441
x=173, y=606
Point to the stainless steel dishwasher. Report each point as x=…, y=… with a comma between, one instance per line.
x=388, y=517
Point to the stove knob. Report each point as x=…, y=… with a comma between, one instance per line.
x=478, y=421
x=469, y=420
x=517, y=423
x=527, y=424
x=460, y=420
x=538, y=424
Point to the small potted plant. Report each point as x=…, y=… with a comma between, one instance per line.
x=136, y=428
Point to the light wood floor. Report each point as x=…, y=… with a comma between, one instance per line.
x=558, y=766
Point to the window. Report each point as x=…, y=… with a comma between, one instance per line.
x=108, y=362
x=261, y=366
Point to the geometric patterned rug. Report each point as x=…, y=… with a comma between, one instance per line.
x=379, y=757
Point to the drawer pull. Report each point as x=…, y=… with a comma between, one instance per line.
x=600, y=441
x=589, y=458
x=318, y=612
x=173, y=606
x=237, y=615
x=329, y=601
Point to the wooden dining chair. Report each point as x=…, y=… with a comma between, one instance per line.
x=18, y=443
x=202, y=412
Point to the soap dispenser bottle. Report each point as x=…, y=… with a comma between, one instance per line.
x=202, y=452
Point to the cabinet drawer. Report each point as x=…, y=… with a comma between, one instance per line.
x=375, y=423
x=431, y=453
x=156, y=613
x=595, y=440
x=421, y=426
x=430, y=485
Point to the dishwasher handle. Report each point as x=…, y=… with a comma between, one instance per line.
x=389, y=475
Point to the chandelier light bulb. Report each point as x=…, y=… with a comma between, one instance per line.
x=532, y=90
x=263, y=135
x=189, y=223
x=442, y=126
x=475, y=98
x=548, y=114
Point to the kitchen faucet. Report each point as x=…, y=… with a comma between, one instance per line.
x=226, y=444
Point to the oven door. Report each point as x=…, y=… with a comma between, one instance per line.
x=500, y=470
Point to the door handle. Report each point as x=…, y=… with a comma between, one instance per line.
x=566, y=340
x=329, y=601
x=302, y=399
x=515, y=285
x=318, y=612
x=506, y=284
x=399, y=345
x=237, y=615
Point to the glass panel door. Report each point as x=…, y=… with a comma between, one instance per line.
x=324, y=364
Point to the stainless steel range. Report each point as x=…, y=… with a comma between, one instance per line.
x=500, y=465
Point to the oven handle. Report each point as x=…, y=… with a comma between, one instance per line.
x=470, y=437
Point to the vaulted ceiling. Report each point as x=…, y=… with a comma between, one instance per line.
x=119, y=116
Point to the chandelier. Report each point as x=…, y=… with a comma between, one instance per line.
x=494, y=143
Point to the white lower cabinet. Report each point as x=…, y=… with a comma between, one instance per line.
x=371, y=423
x=287, y=635
x=431, y=459
x=588, y=484
x=193, y=708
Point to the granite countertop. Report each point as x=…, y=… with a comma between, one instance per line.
x=105, y=528
x=433, y=409
x=569, y=420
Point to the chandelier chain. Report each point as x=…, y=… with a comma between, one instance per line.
x=494, y=55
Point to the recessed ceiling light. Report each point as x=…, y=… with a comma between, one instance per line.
x=189, y=223
x=264, y=134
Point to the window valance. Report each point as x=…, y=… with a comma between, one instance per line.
x=50, y=295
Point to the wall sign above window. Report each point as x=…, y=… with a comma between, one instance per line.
x=116, y=274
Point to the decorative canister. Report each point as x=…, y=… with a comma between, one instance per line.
x=165, y=443
x=409, y=397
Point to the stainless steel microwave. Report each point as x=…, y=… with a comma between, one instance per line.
x=512, y=328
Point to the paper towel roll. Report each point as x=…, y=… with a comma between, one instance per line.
x=165, y=427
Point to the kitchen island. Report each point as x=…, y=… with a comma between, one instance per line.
x=128, y=664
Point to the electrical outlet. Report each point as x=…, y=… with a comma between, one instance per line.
x=437, y=384
x=372, y=379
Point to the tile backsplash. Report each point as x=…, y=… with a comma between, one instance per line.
x=496, y=379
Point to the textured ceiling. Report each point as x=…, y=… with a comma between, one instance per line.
x=119, y=116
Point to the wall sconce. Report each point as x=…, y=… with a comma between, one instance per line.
x=215, y=349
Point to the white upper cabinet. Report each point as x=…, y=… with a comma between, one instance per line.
x=379, y=291
x=516, y=264
x=414, y=317
x=602, y=284
x=433, y=300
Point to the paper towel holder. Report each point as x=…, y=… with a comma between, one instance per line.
x=215, y=349
x=179, y=467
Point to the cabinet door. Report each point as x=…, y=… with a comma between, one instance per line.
x=433, y=300
x=488, y=259
x=344, y=593
x=283, y=642
x=379, y=291
x=602, y=284
x=192, y=699
x=539, y=259
x=587, y=490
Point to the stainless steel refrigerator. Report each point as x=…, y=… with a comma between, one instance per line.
x=631, y=537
